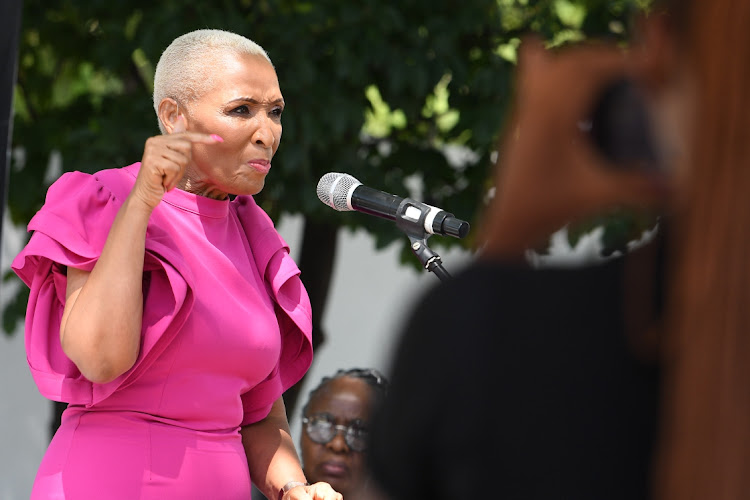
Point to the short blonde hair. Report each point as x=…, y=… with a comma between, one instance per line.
x=184, y=71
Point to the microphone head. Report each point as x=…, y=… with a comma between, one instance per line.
x=334, y=189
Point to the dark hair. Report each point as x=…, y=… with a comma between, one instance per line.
x=372, y=377
x=677, y=12
x=704, y=445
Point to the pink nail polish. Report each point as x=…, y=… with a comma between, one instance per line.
x=217, y=138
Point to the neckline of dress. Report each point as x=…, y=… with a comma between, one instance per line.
x=197, y=204
x=189, y=202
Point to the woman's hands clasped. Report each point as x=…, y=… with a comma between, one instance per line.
x=317, y=491
x=165, y=158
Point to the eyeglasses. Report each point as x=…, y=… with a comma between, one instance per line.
x=322, y=430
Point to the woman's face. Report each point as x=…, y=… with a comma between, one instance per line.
x=346, y=400
x=244, y=108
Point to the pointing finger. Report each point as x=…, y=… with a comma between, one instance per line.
x=202, y=138
x=180, y=128
x=179, y=125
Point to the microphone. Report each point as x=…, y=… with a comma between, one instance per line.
x=344, y=193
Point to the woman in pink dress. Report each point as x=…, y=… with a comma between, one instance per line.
x=168, y=316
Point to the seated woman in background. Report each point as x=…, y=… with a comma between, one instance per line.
x=335, y=423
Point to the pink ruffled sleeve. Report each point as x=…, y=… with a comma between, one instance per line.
x=293, y=310
x=70, y=231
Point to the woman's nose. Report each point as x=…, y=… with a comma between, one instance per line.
x=263, y=135
x=338, y=443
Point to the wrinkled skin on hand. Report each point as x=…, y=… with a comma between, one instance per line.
x=317, y=491
x=164, y=160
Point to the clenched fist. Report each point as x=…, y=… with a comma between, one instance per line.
x=164, y=160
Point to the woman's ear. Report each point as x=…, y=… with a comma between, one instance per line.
x=169, y=110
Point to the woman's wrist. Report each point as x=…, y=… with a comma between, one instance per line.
x=288, y=486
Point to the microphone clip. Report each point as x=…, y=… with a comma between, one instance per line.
x=410, y=218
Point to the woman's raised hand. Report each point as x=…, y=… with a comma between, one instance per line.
x=550, y=173
x=165, y=158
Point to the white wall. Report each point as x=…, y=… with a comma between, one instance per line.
x=370, y=294
x=23, y=411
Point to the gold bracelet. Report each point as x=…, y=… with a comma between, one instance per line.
x=288, y=486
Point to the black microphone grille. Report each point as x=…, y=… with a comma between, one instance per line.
x=334, y=190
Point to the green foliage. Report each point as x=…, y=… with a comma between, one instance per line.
x=373, y=88
x=621, y=227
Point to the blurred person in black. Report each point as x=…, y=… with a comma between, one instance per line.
x=621, y=380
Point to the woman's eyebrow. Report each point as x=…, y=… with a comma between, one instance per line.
x=255, y=101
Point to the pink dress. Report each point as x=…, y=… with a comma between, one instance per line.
x=226, y=330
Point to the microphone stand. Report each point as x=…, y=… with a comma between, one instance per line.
x=414, y=229
x=429, y=259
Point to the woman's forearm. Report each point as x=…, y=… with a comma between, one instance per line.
x=101, y=326
x=271, y=455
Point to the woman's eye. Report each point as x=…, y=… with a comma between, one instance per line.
x=358, y=425
x=242, y=110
